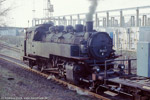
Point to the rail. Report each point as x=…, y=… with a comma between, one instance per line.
x=3, y=45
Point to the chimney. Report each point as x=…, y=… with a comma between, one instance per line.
x=89, y=29
x=89, y=26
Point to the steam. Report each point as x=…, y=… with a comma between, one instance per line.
x=92, y=9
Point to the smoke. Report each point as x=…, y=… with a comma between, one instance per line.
x=92, y=9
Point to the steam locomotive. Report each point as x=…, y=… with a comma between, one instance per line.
x=81, y=56
x=74, y=54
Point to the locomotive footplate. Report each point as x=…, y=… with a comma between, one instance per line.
x=137, y=82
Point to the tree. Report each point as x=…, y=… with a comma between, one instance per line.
x=3, y=12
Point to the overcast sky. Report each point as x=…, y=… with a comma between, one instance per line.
x=22, y=11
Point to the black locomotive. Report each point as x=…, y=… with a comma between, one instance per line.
x=80, y=55
x=81, y=51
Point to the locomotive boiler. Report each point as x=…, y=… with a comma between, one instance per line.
x=76, y=54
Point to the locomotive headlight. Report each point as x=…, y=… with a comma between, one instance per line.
x=121, y=67
x=96, y=69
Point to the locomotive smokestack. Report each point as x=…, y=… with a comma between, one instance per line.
x=89, y=26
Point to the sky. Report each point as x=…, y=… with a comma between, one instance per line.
x=22, y=9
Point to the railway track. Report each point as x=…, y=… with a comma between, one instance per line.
x=3, y=45
x=51, y=77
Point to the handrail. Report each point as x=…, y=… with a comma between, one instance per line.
x=129, y=66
